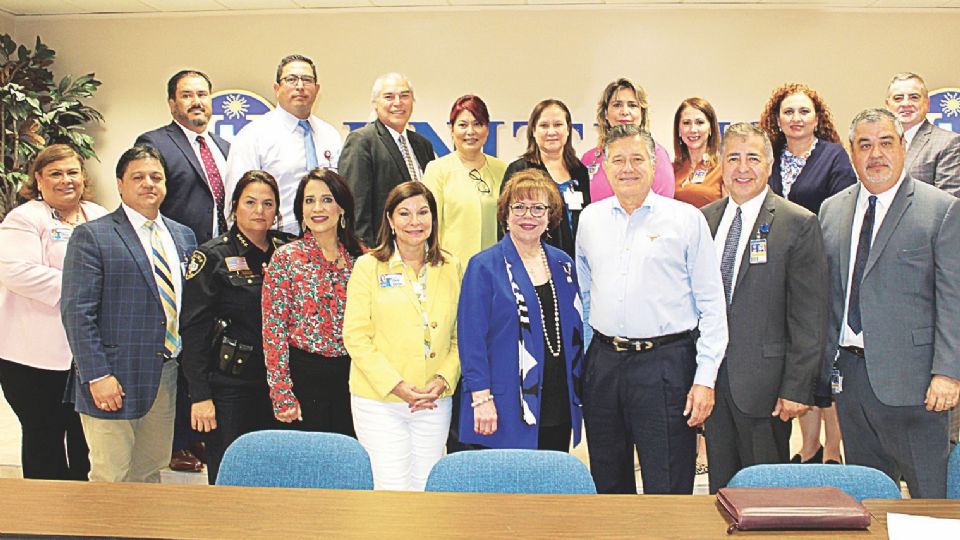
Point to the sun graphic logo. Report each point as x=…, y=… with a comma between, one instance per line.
x=234, y=109
x=945, y=109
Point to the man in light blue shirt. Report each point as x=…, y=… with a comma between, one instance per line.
x=654, y=300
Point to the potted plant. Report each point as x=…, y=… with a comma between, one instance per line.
x=36, y=110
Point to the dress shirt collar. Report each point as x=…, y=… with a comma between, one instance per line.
x=650, y=203
x=885, y=198
x=138, y=220
x=395, y=134
x=192, y=135
x=909, y=134
x=291, y=122
x=750, y=208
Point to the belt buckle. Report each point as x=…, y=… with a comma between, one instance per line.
x=644, y=345
x=621, y=344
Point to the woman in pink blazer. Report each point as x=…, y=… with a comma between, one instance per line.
x=34, y=355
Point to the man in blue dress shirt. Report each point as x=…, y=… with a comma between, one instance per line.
x=655, y=305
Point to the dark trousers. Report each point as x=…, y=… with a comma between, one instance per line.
x=183, y=434
x=909, y=442
x=53, y=446
x=633, y=399
x=321, y=385
x=554, y=437
x=736, y=440
x=241, y=408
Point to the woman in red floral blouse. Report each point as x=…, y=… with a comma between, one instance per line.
x=304, y=294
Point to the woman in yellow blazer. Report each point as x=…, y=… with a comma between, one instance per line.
x=466, y=182
x=400, y=328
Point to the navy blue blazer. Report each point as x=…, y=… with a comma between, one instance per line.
x=112, y=313
x=827, y=172
x=189, y=200
x=487, y=337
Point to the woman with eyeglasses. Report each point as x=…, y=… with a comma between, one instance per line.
x=520, y=329
x=550, y=150
x=466, y=182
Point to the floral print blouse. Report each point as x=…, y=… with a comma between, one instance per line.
x=304, y=296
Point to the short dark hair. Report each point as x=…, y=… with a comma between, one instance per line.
x=256, y=177
x=471, y=103
x=295, y=58
x=138, y=152
x=387, y=238
x=344, y=197
x=175, y=80
x=535, y=184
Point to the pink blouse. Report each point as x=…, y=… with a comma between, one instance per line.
x=663, y=181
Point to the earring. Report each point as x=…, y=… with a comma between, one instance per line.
x=343, y=220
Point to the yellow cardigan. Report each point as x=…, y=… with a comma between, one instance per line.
x=384, y=333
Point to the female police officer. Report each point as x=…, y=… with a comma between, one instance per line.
x=221, y=323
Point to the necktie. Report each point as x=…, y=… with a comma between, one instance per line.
x=729, y=259
x=411, y=166
x=863, y=253
x=168, y=296
x=214, y=179
x=308, y=148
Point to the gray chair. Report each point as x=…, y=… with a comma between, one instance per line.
x=298, y=459
x=857, y=481
x=511, y=471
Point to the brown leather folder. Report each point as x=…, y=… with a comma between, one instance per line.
x=792, y=508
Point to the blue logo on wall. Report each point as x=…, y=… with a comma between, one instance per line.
x=234, y=109
x=945, y=109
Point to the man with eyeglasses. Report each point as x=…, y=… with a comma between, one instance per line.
x=384, y=153
x=288, y=141
x=654, y=305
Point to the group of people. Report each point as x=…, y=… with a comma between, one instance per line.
x=416, y=303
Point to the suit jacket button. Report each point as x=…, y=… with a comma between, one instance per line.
x=433, y=324
x=433, y=355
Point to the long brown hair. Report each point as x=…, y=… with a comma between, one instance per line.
x=769, y=119
x=532, y=155
x=344, y=198
x=680, y=150
x=603, y=126
x=387, y=238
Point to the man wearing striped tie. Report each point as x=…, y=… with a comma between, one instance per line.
x=120, y=303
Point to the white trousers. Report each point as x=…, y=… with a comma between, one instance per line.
x=403, y=446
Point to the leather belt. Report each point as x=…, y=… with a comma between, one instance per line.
x=856, y=351
x=165, y=357
x=622, y=344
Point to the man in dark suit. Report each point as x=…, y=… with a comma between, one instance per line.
x=195, y=161
x=195, y=158
x=933, y=153
x=384, y=153
x=120, y=302
x=773, y=267
x=893, y=248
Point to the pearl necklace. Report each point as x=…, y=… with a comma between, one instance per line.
x=556, y=311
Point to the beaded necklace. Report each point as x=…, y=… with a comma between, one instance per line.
x=556, y=310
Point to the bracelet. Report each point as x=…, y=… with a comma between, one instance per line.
x=446, y=385
x=481, y=401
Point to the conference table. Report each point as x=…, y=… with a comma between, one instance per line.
x=80, y=509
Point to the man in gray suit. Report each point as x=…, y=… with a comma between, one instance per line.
x=773, y=269
x=384, y=153
x=893, y=249
x=933, y=153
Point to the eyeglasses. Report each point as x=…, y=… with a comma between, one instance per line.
x=536, y=210
x=482, y=185
x=292, y=80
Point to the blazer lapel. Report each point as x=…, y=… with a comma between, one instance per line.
x=901, y=202
x=386, y=138
x=183, y=251
x=916, y=145
x=130, y=239
x=765, y=217
x=846, y=234
x=186, y=148
x=715, y=214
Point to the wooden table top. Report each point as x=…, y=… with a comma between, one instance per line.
x=34, y=507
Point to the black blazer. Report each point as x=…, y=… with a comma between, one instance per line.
x=189, y=200
x=372, y=165
x=564, y=236
x=827, y=172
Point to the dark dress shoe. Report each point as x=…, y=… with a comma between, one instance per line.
x=200, y=450
x=185, y=461
x=817, y=458
x=832, y=462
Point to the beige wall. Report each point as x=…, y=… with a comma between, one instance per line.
x=511, y=57
x=6, y=24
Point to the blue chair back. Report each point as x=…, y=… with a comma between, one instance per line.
x=953, y=473
x=297, y=459
x=857, y=481
x=511, y=471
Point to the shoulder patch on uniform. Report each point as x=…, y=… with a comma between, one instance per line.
x=196, y=264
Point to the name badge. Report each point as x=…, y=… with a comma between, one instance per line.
x=698, y=176
x=391, y=280
x=592, y=169
x=236, y=264
x=573, y=199
x=61, y=234
x=758, y=251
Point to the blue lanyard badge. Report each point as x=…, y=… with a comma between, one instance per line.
x=391, y=280
x=61, y=234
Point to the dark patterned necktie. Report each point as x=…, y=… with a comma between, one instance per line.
x=214, y=179
x=863, y=253
x=729, y=259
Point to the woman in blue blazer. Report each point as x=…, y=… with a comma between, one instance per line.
x=520, y=329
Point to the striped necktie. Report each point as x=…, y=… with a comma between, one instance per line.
x=411, y=166
x=168, y=295
x=728, y=261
